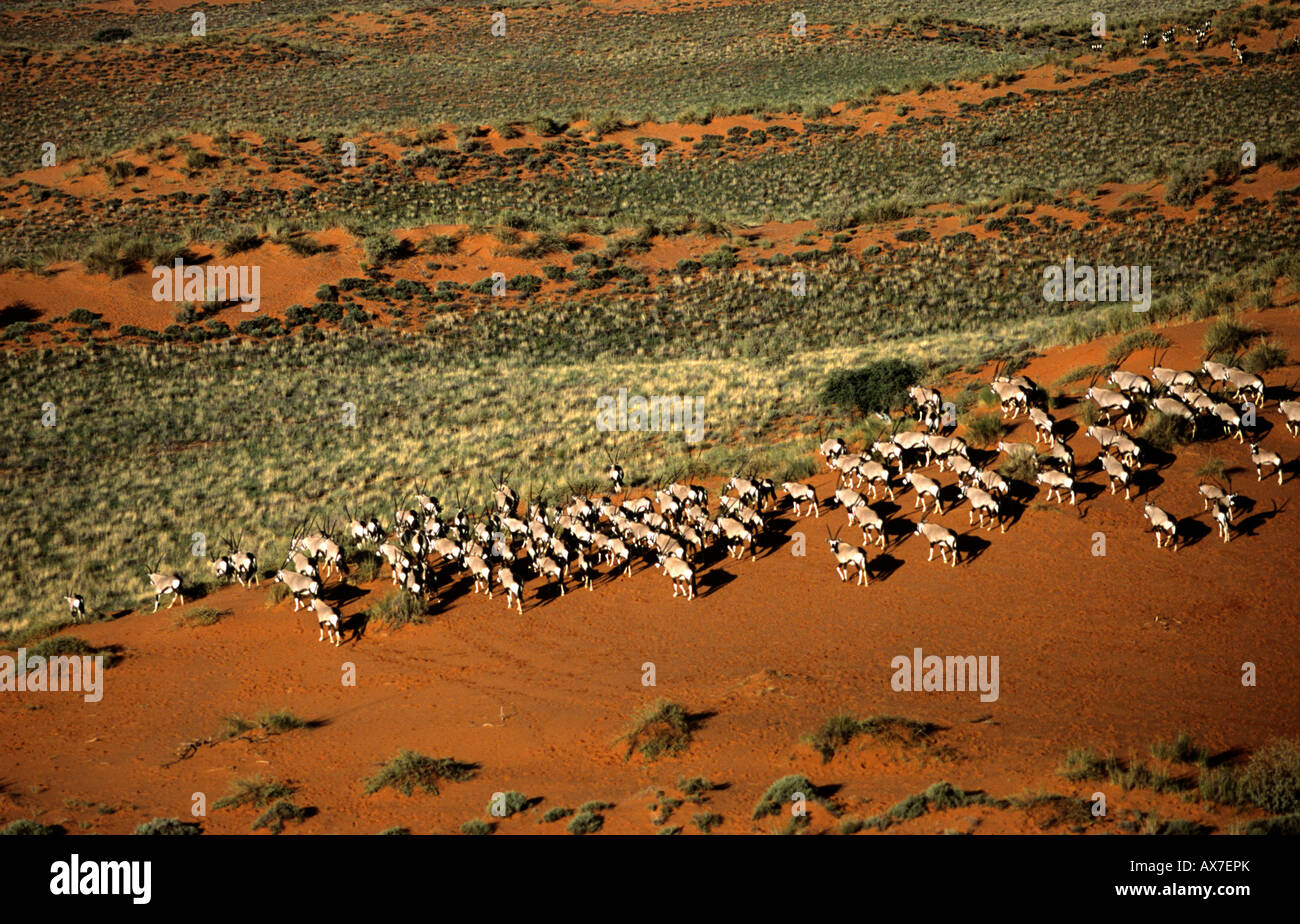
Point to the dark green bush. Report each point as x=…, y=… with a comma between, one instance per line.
x=878, y=386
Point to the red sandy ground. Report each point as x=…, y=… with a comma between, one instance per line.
x=1104, y=652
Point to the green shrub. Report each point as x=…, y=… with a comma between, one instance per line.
x=477, y=826
x=275, y=816
x=241, y=241
x=25, y=826
x=1163, y=431
x=276, y=723
x=984, y=430
x=586, y=823
x=409, y=769
x=1084, y=764
x=511, y=803
x=657, y=729
x=200, y=616
x=1183, y=188
x=1138, y=340
x=1182, y=750
x=112, y=34
x=835, y=732
x=1227, y=336
x=399, y=609
x=168, y=826
x=694, y=786
x=780, y=795
x=876, y=387
x=382, y=249
x=1264, y=356
x=1282, y=824
x=706, y=821
x=254, y=791
x=1271, y=779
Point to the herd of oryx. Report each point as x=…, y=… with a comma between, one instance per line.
x=499, y=549
x=1173, y=393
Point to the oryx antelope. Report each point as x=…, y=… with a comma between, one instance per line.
x=800, y=494
x=682, y=576
x=831, y=450
x=1129, y=382
x=582, y=566
x=510, y=584
x=1242, y=381
x=1128, y=450
x=394, y=556
x=1044, y=426
x=300, y=586
x=1164, y=525
x=1172, y=407
x=985, y=504
x=1212, y=494
x=301, y=563
x=480, y=572
x=1111, y=403
x=1117, y=474
x=889, y=451
x=1062, y=455
x=1260, y=458
x=164, y=582
x=1166, y=377
x=1011, y=398
x=737, y=537
x=992, y=482
x=1222, y=514
x=1218, y=372
x=76, y=606
x=1105, y=436
x=941, y=447
x=327, y=619
x=876, y=476
x=848, y=558
x=1056, y=482
x=331, y=557
x=924, y=487
x=1229, y=418
x=870, y=522
x=848, y=498
x=909, y=441
x=547, y=568
x=745, y=489
x=1290, y=410
x=941, y=536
